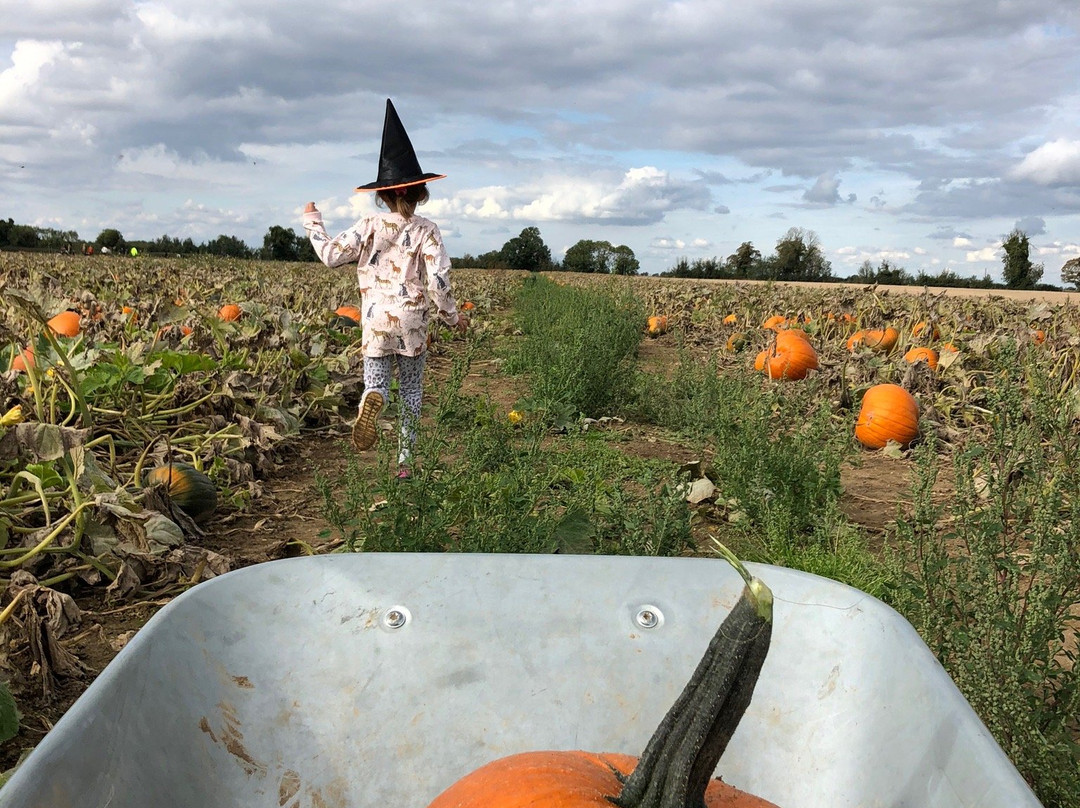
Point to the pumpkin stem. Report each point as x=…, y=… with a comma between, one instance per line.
x=680, y=758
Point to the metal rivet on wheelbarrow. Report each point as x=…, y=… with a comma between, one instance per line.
x=396, y=617
x=649, y=617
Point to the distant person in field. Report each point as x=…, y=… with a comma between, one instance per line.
x=402, y=268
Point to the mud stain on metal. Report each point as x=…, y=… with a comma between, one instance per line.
x=288, y=787
x=204, y=725
x=830, y=683
x=233, y=741
x=243, y=681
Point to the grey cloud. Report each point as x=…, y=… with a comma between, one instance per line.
x=1032, y=225
x=826, y=191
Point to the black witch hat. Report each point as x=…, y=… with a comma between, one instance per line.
x=398, y=166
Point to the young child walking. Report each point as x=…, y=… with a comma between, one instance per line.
x=402, y=268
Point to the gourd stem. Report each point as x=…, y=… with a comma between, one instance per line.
x=680, y=758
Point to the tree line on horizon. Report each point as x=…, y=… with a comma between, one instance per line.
x=797, y=257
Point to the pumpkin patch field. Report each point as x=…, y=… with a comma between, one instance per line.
x=163, y=421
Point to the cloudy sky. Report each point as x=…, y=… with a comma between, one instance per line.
x=921, y=131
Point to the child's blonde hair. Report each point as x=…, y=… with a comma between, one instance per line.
x=403, y=201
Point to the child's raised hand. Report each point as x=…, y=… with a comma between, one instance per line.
x=462, y=325
x=310, y=208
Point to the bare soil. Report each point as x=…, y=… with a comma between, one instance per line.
x=287, y=520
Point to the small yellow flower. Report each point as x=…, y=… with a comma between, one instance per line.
x=12, y=416
x=515, y=417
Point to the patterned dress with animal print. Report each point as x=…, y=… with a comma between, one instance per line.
x=401, y=268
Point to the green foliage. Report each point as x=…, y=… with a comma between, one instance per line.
x=991, y=577
x=776, y=463
x=577, y=347
x=9, y=714
x=507, y=490
x=111, y=239
x=527, y=251
x=1019, y=272
x=798, y=257
x=600, y=257
x=282, y=244
x=1070, y=272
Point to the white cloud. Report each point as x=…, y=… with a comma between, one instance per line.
x=28, y=60
x=961, y=241
x=985, y=254
x=1053, y=163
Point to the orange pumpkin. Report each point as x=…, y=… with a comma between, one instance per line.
x=468, y=305
x=736, y=342
x=731, y=319
x=888, y=412
x=791, y=356
x=775, y=323
x=922, y=325
x=1038, y=336
x=948, y=346
x=880, y=340
x=351, y=312
x=229, y=312
x=761, y=359
x=19, y=363
x=658, y=325
x=922, y=354
x=66, y=324
x=567, y=780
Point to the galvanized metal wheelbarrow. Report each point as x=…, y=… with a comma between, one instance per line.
x=378, y=680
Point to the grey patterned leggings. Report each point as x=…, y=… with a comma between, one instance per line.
x=378, y=371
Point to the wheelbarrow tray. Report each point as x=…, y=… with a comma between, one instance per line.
x=379, y=679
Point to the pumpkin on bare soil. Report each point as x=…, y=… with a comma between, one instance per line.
x=658, y=324
x=676, y=769
x=888, y=413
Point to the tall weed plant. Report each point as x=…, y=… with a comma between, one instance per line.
x=776, y=461
x=577, y=345
x=992, y=576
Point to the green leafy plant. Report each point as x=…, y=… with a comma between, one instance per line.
x=991, y=578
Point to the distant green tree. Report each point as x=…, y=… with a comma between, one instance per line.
x=1019, y=272
x=5, y=228
x=745, y=262
x=280, y=244
x=798, y=257
x=22, y=236
x=56, y=239
x=601, y=257
x=885, y=273
x=527, y=251
x=111, y=239
x=229, y=246
x=1070, y=272
x=624, y=261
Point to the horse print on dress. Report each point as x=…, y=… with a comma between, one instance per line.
x=392, y=320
